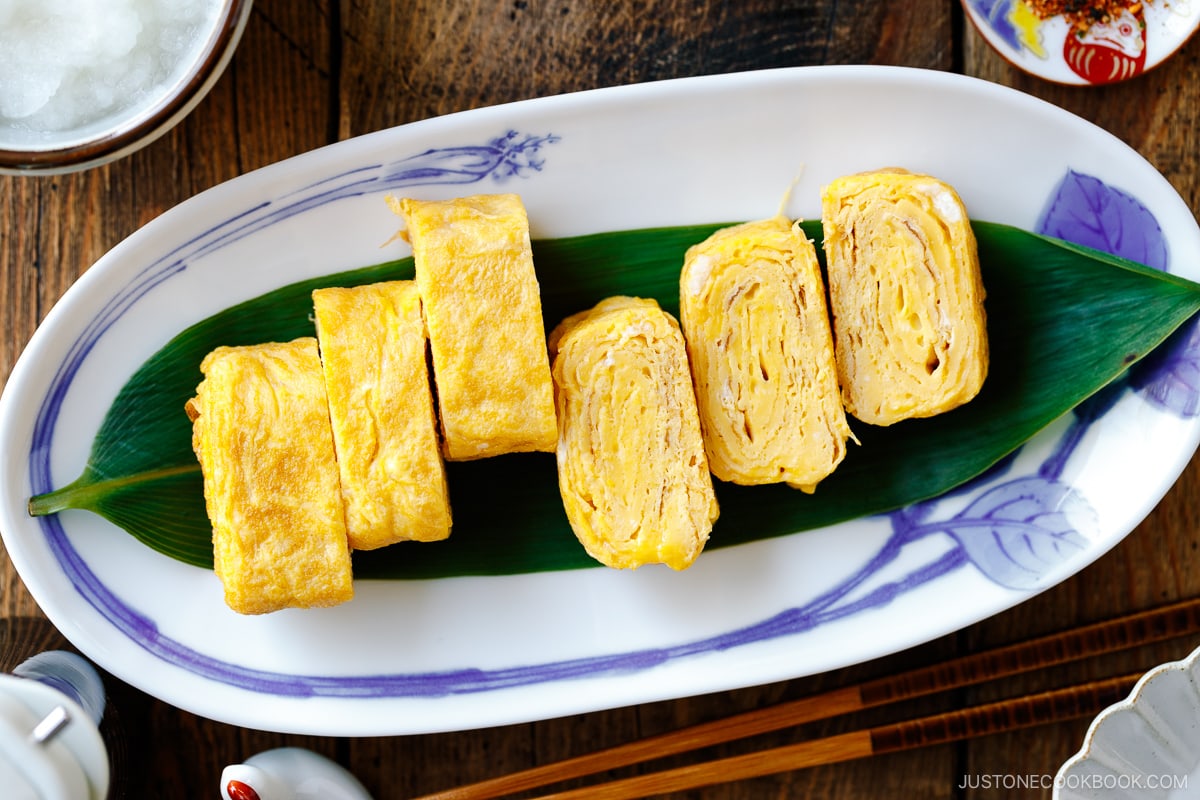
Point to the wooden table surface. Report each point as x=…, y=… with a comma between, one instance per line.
x=312, y=73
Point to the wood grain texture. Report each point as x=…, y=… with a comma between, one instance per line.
x=440, y=58
x=310, y=73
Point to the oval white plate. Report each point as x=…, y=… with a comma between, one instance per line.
x=425, y=656
x=1124, y=47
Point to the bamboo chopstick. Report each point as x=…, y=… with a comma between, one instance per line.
x=1131, y=630
x=1006, y=715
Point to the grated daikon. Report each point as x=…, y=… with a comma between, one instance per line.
x=80, y=65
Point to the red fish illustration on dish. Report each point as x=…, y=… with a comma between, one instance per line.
x=1110, y=51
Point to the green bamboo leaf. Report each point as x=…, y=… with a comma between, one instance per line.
x=1063, y=322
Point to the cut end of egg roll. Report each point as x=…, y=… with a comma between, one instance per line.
x=906, y=295
x=260, y=429
x=752, y=306
x=373, y=351
x=474, y=268
x=632, y=470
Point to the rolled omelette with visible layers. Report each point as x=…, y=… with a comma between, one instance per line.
x=260, y=429
x=906, y=295
x=393, y=480
x=752, y=307
x=632, y=471
x=483, y=309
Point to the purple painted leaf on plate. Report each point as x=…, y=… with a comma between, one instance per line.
x=1087, y=211
x=1170, y=376
x=1019, y=531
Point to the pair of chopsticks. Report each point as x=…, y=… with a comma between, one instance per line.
x=1122, y=633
